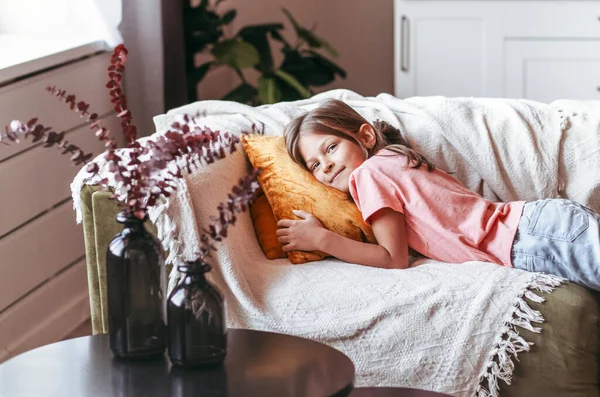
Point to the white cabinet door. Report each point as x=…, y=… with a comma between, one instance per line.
x=438, y=51
x=497, y=48
x=555, y=69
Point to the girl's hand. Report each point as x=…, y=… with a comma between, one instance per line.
x=301, y=235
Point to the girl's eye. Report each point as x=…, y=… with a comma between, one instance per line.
x=314, y=166
x=331, y=147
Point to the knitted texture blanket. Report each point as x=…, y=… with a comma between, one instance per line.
x=451, y=328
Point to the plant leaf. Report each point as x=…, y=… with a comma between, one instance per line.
x=257, y=35
x=306, y=70
x=326, y=63
x=328, y=47
x=201, y=71
x=243, y=93
x=311, y=39
x=236, y=53
x=268, y=92
x=228, y=17
x=293, y=82
x=303, y=33
x=291, y=18
x=264, y=27
x=277, y=36
x=201, y=27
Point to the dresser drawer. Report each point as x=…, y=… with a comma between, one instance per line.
x=37, y=180
x=85, y=79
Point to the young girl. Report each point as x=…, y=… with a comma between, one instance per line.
x=410, y=203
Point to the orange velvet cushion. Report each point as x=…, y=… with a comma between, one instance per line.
x=288, y=186
x=265, y=226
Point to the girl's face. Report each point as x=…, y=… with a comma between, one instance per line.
x=330, y=158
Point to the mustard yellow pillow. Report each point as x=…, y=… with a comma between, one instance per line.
x=288, y=186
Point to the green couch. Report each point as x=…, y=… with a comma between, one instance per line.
x=99, y=227
x=563, y=361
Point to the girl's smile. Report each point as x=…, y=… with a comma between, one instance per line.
x=336, y=174
x=330, y=158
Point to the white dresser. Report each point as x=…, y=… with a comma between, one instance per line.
x=43, y=278
x=537, y=49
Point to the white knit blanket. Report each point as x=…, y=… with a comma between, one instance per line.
x=435, y=326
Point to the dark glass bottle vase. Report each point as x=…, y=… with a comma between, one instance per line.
x=136, y=282
x=196, y=317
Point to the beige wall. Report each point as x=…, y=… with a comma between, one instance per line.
x=361, y=31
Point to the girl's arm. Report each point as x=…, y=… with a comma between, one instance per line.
x=391, y=252
x=388, y=226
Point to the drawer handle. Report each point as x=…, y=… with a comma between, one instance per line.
x=404, y=43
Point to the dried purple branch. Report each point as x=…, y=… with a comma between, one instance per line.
x=238, y=201
x=166, y=159
x=145, y=172
x=115, y=70
x=258, y=130
x=47, y=136
x=81, y=107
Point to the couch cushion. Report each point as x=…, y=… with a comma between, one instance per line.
x=564, y=358
x=288, y=186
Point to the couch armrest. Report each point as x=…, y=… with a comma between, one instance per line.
x=99, y=227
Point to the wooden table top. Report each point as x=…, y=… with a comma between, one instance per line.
x=394, y=392
x=257, y=364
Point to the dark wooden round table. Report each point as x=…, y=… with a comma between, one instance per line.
x=257, y=364
x=394, y=392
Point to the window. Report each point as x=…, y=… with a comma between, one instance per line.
x=37, y=34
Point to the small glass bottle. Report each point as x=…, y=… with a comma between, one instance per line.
x=136, y=282
x=196, y=318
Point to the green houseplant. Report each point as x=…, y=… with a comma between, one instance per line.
x=303, y=66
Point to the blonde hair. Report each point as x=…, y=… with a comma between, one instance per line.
x=335, y=117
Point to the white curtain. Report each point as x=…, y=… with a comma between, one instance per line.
x=110, y=14
x=96, y=19
x=84, y=20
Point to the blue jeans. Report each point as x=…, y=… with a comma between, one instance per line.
x=560, y=237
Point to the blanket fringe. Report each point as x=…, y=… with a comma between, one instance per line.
x=509, y=344
x=168, y=233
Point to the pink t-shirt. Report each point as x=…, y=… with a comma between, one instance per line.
x=444, y=220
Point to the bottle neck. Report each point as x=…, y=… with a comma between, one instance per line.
x=195, y=272
x=195, y=278
x=135, y=226
x=132, y=223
